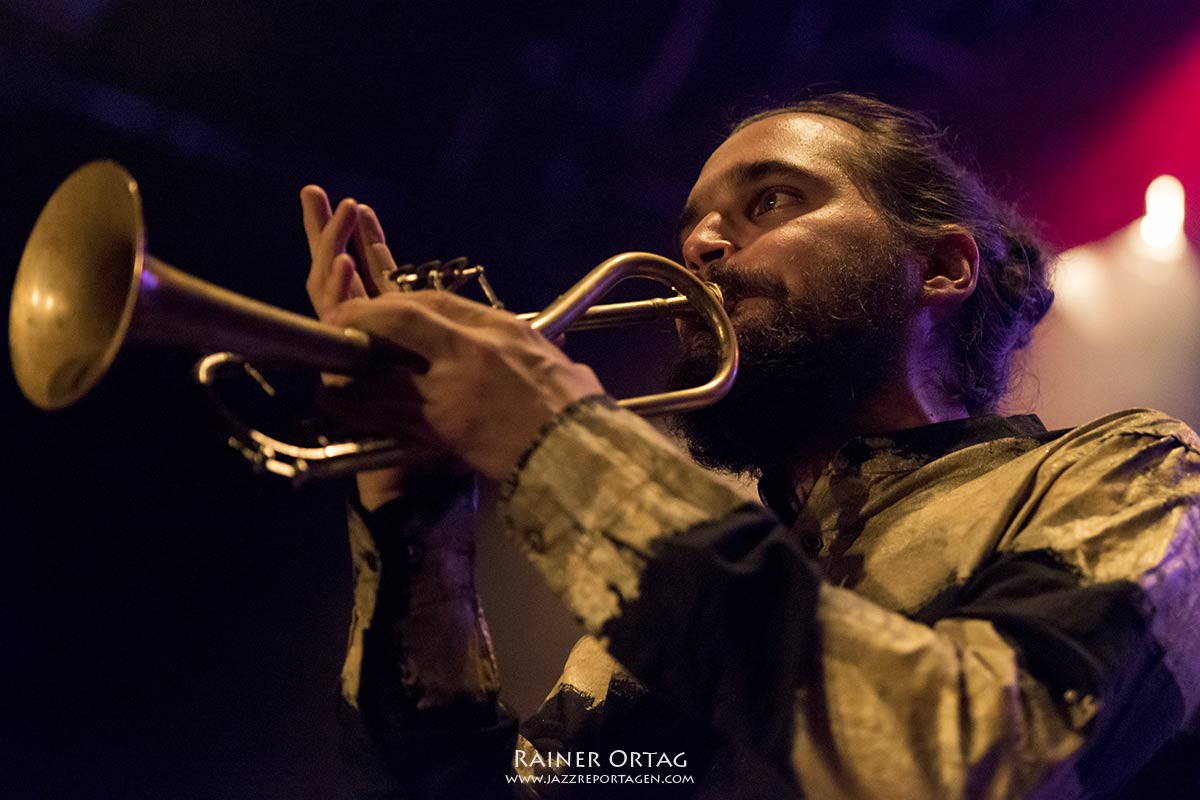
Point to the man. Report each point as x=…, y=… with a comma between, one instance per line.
x=944, y=603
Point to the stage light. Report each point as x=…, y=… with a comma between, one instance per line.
x=1162, y=227
x=1079, y=278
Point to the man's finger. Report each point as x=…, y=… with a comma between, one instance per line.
x=369, y=231
x=464, y=310
x=341, y=278
x=392, y=389
x=336, y=234
x=365, y=414
x=315, y=206
x=370, y=240
x=381, y=268
x=402, y=319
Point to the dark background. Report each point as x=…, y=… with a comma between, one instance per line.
x=173, y=625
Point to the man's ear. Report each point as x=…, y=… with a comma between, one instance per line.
x=951, y=271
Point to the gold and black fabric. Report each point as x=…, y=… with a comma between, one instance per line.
x=978, y=608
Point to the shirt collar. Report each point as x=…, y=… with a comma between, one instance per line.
x=929, y=442
x=911, y=447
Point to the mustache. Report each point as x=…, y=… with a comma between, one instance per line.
x=737, y=283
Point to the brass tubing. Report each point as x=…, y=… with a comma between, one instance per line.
x=176, y=308
x=611, y=315
x=86, y=286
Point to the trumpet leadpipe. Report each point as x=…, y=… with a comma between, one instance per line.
x=611, y=315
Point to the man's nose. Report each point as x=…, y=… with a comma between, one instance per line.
x=707, y=242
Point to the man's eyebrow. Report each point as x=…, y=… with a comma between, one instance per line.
x=740, y=175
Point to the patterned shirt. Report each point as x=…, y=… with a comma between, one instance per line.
x=976, y=608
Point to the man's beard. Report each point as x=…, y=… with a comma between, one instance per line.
x=807, y=367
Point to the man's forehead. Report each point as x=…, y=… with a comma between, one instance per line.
x=813, y=142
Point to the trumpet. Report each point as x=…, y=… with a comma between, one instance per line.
x=86, y=286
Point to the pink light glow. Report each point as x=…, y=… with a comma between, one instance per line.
x=1099, y=189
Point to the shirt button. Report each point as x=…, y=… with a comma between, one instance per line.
x=811, y=543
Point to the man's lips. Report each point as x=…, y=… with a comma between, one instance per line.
x=747, y=305
x=729, y=300
x=736, y=307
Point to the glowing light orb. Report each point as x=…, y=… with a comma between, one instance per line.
x=1162, y=227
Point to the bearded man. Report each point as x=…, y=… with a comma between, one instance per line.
x=940, y=602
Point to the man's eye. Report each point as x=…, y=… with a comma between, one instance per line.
x=773, y=199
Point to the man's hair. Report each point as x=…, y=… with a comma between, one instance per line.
x=905, y=165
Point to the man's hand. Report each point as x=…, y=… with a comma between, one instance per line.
x=335, y=277
x=492, y=383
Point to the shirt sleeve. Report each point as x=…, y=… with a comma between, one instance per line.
x=437, y=730
x=1030, y=671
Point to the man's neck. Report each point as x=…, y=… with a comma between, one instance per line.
x=803, y=471
x=896, y=408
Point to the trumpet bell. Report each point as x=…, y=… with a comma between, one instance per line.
x=86, y=286
x=76, y=286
